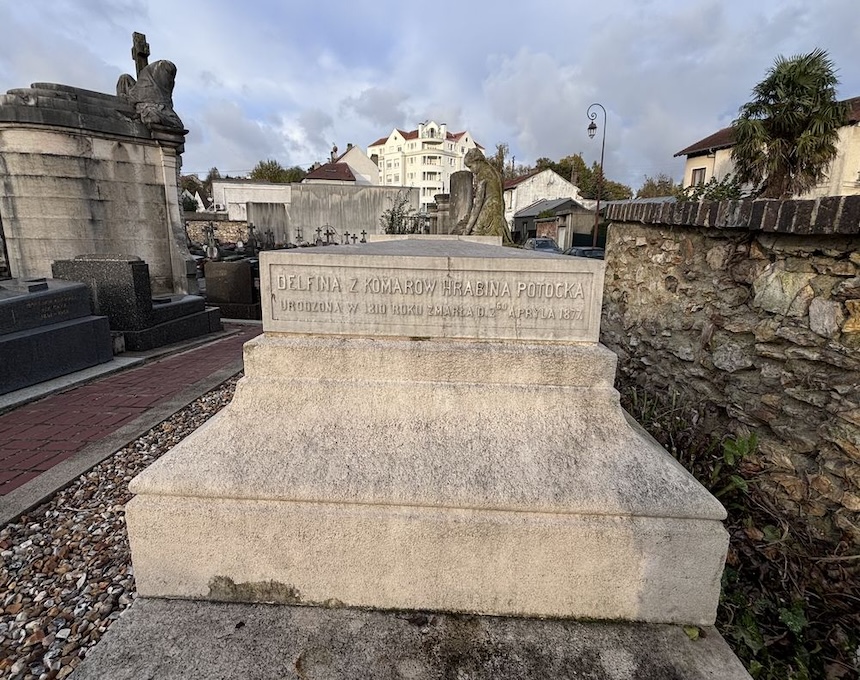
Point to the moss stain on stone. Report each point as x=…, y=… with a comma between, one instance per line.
x=223, y=588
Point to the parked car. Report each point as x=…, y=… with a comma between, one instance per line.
x=543, y=244
x=586, y=251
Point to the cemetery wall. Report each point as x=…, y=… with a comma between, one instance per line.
x=67, y=193
x=226, y=231
x=751, y=308
x=350, y=209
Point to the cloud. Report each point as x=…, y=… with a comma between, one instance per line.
x=383, y=107
x=285, y=80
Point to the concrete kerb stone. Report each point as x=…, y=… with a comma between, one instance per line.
x=40, y=489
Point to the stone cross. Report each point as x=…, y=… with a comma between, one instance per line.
x=354, y=239
x=363, y=236
x=139, y=51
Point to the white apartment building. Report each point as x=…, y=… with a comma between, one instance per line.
x=424, y=158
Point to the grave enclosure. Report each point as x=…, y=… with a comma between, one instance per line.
x=436, y=430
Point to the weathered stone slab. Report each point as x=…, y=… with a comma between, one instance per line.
x=174, y=640
x=447, y=289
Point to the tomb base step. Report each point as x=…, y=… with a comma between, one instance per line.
x=175, y=330
x=39, y=354
x=445, y=559
x=451, y=475
x=171, y=639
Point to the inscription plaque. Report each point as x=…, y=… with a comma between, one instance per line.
x=475, y=291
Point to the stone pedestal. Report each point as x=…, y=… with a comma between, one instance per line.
x=429, y=424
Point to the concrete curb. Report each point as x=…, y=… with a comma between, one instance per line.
x=38, y=490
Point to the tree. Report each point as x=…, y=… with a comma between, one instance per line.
x=785, y=138
x=272, y=171
x=574, y=170
x=728, y=188
x=657, y=187
x=207, y=183
x=189, y=204
x=507, y=168
x=397, y=218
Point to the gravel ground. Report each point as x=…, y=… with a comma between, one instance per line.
x=65, y=568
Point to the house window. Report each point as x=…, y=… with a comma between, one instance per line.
x=698, y=176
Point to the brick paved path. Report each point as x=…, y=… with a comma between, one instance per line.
x=38, y=435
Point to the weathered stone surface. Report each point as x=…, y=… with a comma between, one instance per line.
x=175, y=640
x=852, y=323
x=389, y=472
x=83, y=175
x=782, y=292
x=825, y=317
x=456, y=290
x=791, y=311
x=526, y=496
x=731, y=357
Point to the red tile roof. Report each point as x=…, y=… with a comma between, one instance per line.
x=724, y=139
x=413, y=134
x=332, y=171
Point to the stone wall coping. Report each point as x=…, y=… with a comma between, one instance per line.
x=825, y=215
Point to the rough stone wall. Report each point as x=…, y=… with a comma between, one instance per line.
x=226, y=231
x=753, y=308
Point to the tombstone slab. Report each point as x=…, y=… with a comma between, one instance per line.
x=230, y=288
x=434, y=427
x=47, y=330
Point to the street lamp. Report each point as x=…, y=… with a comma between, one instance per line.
x=592, y=130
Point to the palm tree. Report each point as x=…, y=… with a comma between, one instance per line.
x=786, y=137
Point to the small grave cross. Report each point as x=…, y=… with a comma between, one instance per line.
x=363, y=236
x=346, y=237
x=354, y=239
x=139, y=51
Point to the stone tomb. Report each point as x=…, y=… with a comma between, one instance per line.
x=120, y=289
x=435, y=428
x=47, y=330
x=230, y=288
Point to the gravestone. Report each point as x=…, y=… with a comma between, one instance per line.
x=436, y=436
x=120, y=289
x=435, y=428
x=47, y=330
x=230, y=288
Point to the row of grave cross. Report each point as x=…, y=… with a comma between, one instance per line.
x=345, y=239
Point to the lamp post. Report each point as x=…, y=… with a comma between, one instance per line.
x=592, y=130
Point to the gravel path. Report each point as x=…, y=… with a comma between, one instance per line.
x=65, y=568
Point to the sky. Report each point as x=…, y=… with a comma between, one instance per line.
x=285, y=80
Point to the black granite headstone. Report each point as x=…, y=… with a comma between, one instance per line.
x=47, y=330
x=121, y=290
x=230, y=288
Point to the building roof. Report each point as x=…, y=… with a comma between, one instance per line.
x=511, y=183
x=339, y=172
x=413, y=134
x=724, y=139
x=542, y=205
